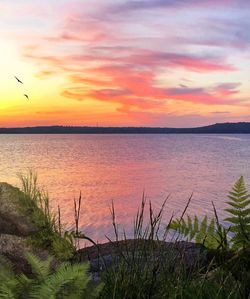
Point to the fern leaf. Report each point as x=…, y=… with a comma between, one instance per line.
x=239, y=212
x=242, y=205
x=204, y=233
x=67, y=277
x=200, y=237
x=6, y=292
x=40, y=268
x=196, y=224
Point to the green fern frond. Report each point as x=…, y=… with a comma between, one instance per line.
x=203, y=233
x=6, y=267
x=239, y=214
x=215, y=236
x=40, y=269
x=66, y=281
x=6, y=292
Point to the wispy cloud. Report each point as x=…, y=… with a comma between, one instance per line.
x=133, y=5
x=150, y=63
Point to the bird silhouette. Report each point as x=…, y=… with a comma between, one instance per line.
x=18, y=80
x=26, y=96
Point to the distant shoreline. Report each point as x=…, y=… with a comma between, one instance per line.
x=220, y=128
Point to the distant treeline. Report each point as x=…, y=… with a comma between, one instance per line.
x=220, y=128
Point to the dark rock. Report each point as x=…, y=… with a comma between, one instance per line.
x=192, y=254
x=15, y=226
x=189, y=254
x=15, y=248
x=12, y=220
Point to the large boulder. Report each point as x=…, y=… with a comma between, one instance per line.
x=12, y=220
x=15, y=227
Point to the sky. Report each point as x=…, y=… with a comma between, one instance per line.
x=171, y=63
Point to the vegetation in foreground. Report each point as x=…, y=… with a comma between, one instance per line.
x=65, y=281
x=141, y=269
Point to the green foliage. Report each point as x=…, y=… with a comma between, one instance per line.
x=166, y=283
x=143, y=268
x=7, y=279
x=67, y=281
x=35, y=204
x=239, y=214
x=213, y=235
x=204, y=232
x=146, y=268
x=210, y=234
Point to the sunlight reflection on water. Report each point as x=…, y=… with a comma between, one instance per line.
x=121, y=167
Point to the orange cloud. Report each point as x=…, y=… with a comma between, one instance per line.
x=132, y=88
x=112, y=61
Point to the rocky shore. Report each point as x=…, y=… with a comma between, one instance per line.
x=16, y=228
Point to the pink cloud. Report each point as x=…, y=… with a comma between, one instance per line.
x=190, y=62
x=137, y=58
x=103, y=63
x=227, y=89
x=137, y=89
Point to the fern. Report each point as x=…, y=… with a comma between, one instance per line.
x=67, y=281
x=204, y=233
x=6, y=269
x=214, y=235
x=40, y=269
x=240, y=214
x=7, y=279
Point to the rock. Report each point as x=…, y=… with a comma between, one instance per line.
x=12, y=220
x=15, y=226
x=15, y=248
x=190, y=254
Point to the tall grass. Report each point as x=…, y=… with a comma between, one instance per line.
x=52, y=235
x=149, y=267
x=34, y=202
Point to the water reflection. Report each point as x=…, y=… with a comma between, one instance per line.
x=121, y=167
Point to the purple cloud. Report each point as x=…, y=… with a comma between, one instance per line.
x=151, y=4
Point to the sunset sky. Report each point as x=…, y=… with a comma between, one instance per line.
x=177, y=63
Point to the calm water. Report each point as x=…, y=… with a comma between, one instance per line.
x=121, y=167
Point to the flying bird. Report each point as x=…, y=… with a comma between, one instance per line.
x=18, y=80
x=26, y=96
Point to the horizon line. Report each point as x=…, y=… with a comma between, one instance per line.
x=120, y=127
